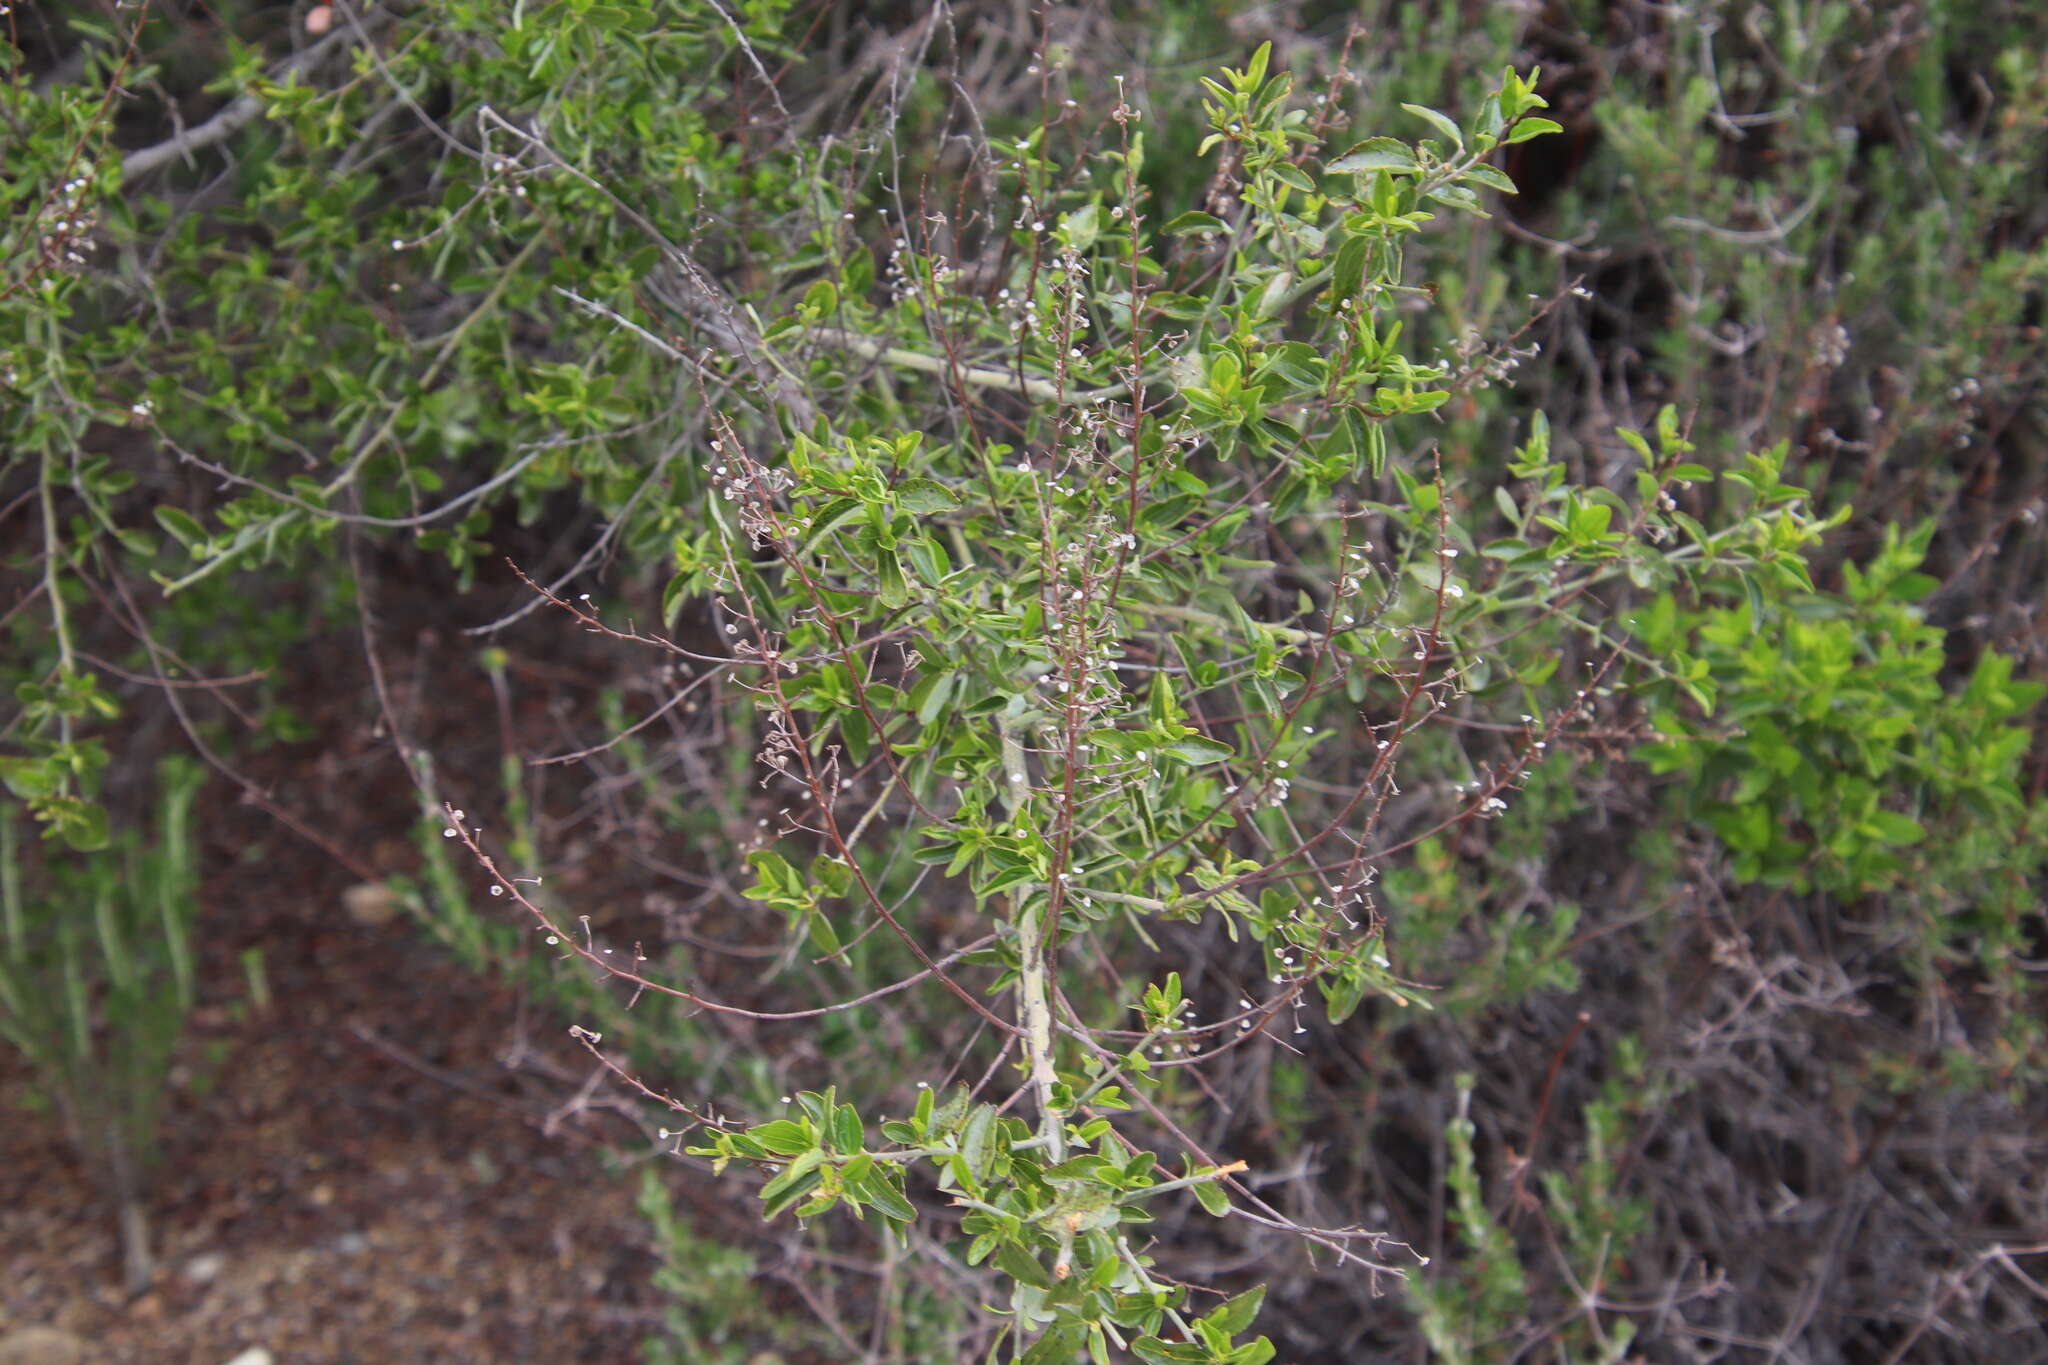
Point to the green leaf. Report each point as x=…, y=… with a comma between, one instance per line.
x=784, y=1137
x=1343, y=995
x=822, y=935
x=974, y=1140
x=1491, y=178
x=1255, y=69
x=1532, y=127
x=1081, y=227
x=830, y=518
x=1007, y=879
x=1375, y=154
x=1160, y=706
x=29, y=778
x=1347, y=273
x=774, y=878
x=1195, y=221
x=81, y=824
x=1236, y=1314
x=182, y=526
x=846, y=1130
x=1440, y=122
x=1022, y=1266
x=1057, y=1346
x=881, y=1191
x=892, y=587
x=929, y=558
x=921, y=497
x=672, y=598
x=1226, y=372
x=798, y=1179
x=1199, y=749
x=1291, y=176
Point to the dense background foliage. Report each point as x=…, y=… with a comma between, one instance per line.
x=1531, y=691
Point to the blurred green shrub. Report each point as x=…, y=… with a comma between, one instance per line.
x=96, y=981
x=1835, y=758
x=1484, y=1305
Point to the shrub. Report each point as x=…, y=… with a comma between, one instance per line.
x=880, y=348
x=1062, y=686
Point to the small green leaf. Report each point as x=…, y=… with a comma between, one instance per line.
x=1022, y=1266
x=822, y=935
x=1056, y=1347
x=29, y=777
x=182, y=526
x=1440, y=122
x=774, y=878
x=1291, y=176
x=1491, y=178
x=81, y=824
x=1532, y=127
x=974, y=1139
x=1195, y=221
x=784, y=1137
x=884, y=1196
x=830, y=518
x=1236, y=1314
x=798, y=1179
x=1080, y=228
x=846, y=1130
x=672, y=598
x=921, y=497
x=891, y=586
x=1199, y=749
x=1375, y=154
x=1347, y=273
x=1894, y=828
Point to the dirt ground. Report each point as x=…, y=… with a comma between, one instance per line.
x=350, y=1175
x=354, y=1173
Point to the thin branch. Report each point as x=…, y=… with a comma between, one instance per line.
x=241, y=111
